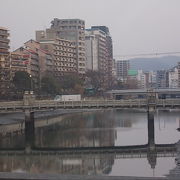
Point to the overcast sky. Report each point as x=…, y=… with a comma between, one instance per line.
x=136, y=26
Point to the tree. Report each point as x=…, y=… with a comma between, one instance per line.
x=22, y=81
x=50, y=85
x=95, y=80
x=71, y=83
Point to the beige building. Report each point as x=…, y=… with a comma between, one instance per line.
x=72, y=30
x=64, y=55
x=63, y=52
x=19, y=62
x=37, y=63
x=4, y=61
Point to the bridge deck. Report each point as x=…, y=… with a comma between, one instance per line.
x=50, y=104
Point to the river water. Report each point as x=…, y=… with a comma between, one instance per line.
x=95, y=129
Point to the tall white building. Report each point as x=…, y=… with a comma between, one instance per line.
x=173, y=78
x=96, y=51
x=91, y=46
x=141, y=78
x=122, y=69
x=152, y=79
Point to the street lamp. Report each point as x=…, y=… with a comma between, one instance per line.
x=31, y=85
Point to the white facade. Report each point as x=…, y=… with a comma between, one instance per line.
x=94, y=43
x=122, y=69
x=114, y=67
x=91, y=47
x=152, y=79
x=173, y=78
x=141, y=77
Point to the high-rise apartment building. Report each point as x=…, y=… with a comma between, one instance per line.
x=19, y=62
x=99, y=53
x=173, y=78
x=162, y=79
x=63, y=53
x=32, y=59
x=72, y=30
x=4, y=61
x=122, y=69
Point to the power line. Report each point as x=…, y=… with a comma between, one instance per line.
x=149, y=54
x=141, y=54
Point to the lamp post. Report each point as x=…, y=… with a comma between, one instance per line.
x=31, y=85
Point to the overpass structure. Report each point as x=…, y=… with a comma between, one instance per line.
x=143, y=93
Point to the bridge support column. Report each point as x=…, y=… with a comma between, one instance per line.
x=29, y=100
x=151, y=154
x=151, y=140
x=29, y=131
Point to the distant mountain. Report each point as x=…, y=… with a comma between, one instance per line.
x=159, y=63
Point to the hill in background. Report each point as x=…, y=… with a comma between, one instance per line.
x=159, y=63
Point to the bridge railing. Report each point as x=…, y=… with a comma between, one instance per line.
x=91, y=103
x=168, y=102
x=11, y=105
x=48, y=104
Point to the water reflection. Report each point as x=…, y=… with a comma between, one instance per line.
x=81, y=130
x=97, y=129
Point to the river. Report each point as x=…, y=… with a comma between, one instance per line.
x=95, y=129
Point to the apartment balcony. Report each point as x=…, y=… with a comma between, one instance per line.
x=4, y=52
x=4, y=40
x=4, y=46
x=4, y=33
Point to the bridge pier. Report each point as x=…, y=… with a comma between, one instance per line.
x=29, y=131
x=151, y=154
x=29, y=99
x=151, y=139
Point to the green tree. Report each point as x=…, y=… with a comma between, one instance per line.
x=22, y=81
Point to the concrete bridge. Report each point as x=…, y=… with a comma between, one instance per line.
x=30, y=103
x=150, y=150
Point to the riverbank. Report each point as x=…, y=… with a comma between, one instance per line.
x=13, y=118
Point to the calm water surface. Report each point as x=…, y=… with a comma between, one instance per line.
x=101, y=128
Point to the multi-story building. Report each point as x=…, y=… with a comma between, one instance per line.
x=173, y=78
x=19, y=62
x=4, y=61
x=122, y=69
x=141, y=78
x=109, y=55
x=162, y=79
x=72, y=30
x=63, y=53
x=114, y=69
x=32, y=59
x=132, y=81
x=99, y=55
x=152, y=79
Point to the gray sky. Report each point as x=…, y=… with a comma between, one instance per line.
x=136, y=26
